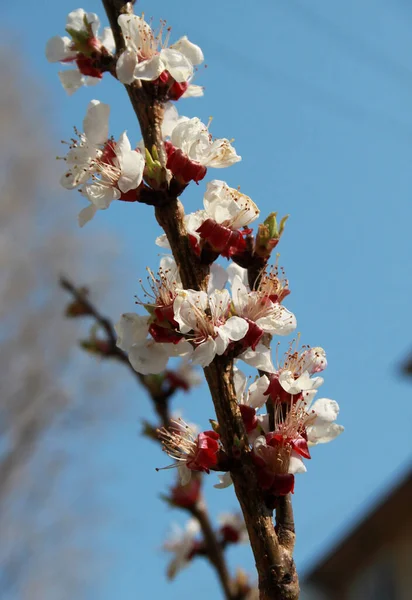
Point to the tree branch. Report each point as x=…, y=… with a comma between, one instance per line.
x=274, y=563
x=214, y=551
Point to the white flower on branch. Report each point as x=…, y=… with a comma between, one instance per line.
x=225, y=211
x=191, y=149
x=147, y=57
x=190, y=450
x=181, y=544
x=294, y=378
x=84, y=48
x=207, y=318
x=146, y=355
x=260, y=307
x=106, y=170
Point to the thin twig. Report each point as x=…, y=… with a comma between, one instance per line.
x=214, y=551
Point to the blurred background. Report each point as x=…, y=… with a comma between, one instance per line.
x=318, y=98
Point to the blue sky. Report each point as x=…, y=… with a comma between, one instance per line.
x=318, y=99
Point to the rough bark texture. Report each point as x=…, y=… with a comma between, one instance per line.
x=273, y=554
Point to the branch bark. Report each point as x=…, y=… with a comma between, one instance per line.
x=277, y=576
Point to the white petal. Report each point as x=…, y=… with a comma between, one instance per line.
x=76, y=20
x=150, y=69
x=170, y=119
x=240, y=382
x=58, y=49
x=192, y=52
x=71, y=80
x=150, y=358
x=256, y=390
x=126, y=65
x=221, y=342
x=193, y=91
x=235, y=328
x=225, y=481
x=132, y=165
x=179, y=67
x=107, y=40
x=182, y=349
x=74, y=177
x=162, y=241
x=217, y=278
x=86, y=214
x=96, y=122
x=101, y=195
x=90, y=81
x=185, y=474
x=296, y=464
x=279, y=322
x=131, y=329
x=259, y=358
x=326, y=410
x=234, y=270
x=220, y=155
x=323, y=433
x=204, y=353
x=137, y=33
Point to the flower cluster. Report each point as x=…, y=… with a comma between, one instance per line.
x=84, y=49
x=101, y=168
x=233, y=313
x=280, y=438
x=201, y=324
x=147, y=57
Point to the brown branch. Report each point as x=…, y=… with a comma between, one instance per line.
x=213, y=548
x=160, y=401
x=274, y=562
x=214, y=551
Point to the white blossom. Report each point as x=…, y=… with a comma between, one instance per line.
x=104, y=168
x=181, y=544
x=207, y=318
x=146, y=57
x=83, y=28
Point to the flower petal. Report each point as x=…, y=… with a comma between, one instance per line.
x=58, y=49
x=86, y=214
x=131, y=329
x=149, y=69
x=132, y=164
x=126, y=65
x=259, y=358
x=96, y=122
x=204, y=353
x=323, y=433
x=191, y=51
x=179, y=67
x=193, y=91
x=235, y=328
x=256, y=390
x=296, y=464
x=71, y=80
x=225, y=481
x=100, y=194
